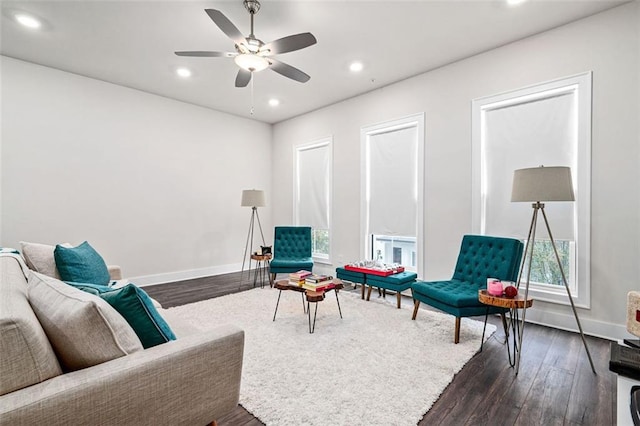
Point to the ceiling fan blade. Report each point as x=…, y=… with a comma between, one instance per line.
x=243, y=78
x=225, y=25
x=288, y=71
x=201, y=53
x=290, y=43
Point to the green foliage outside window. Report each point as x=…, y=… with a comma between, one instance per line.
x=320, y=242
x=544, y=267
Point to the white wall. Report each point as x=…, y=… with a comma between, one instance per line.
x=607, y=44
x=153, y=184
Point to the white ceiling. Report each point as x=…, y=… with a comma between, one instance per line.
x=131, y=43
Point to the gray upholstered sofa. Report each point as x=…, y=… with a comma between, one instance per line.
x=192, y=380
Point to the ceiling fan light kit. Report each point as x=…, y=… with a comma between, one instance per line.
x=251, y=62
x=252, y=55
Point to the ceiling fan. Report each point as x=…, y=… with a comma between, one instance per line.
x=253, y=55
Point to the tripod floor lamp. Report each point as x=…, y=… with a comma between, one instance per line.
x=252, y=198
x=544, y=184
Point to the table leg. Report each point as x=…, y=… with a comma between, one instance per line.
x=277, y=303
x=338, y=300
x=520, y=334
x=486, y=316
x=255, y=274
x=315, y=312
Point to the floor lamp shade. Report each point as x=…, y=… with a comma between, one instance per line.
x=252, y=198
x=542, y=184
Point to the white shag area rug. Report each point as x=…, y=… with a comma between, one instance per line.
x=373, y=367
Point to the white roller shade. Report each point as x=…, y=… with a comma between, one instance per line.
x=313, y=186
x=393, y=182
x=528, y=134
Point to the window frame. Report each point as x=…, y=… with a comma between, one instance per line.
x=318, y=143
x=579, y=85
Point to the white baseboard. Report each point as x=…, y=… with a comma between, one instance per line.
x=145, y=280
x=562, y=321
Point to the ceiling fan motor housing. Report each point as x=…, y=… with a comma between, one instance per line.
x=253, y=6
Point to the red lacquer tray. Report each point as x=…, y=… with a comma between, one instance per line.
x=374, y=271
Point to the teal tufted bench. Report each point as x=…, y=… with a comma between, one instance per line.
x=352, y=276
x=291, y=250
x=480, y=257
x=396, y=282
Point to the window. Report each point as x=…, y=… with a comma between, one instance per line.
x=392, y=188
x=546, y=124
x=312, y=199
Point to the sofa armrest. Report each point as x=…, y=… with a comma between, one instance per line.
x=192, y=380
x=115, y=272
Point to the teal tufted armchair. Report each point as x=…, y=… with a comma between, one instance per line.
x=480, y=257
x=291, y=250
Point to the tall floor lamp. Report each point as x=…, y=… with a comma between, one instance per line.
x=544, y=184
x=252, y=198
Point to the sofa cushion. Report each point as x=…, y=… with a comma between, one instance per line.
x=136, y=307
x=83, y=329
x=26, y=356
x=81, y=264
x=39, y=257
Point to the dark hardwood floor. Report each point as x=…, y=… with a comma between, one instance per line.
x=555, y=385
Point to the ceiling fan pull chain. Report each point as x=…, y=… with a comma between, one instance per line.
x=253, y=78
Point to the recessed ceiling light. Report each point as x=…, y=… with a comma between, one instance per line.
x=184, y=72
x=515, y=2
x=274, y=102
x=356, y=66
x=28, y=20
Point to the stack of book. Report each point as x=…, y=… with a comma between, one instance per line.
x=316, y=282
x=298, y=278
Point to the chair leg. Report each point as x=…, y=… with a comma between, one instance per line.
x=416, y=305
x=398, y=298
x=362, y=288
x=369, y=293
x=213, y=423
x=456, y=338
x=272, y=279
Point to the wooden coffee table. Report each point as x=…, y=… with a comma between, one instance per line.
x=310, y=296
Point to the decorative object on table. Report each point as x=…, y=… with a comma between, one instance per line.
x=264, y=250
x=298, y=278
x=374, y=267
x=291, y=250
x=536, y=185
x=494, y=287
x=252, y=198
x=510, y=292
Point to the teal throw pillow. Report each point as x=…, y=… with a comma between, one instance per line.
x=136, y=307
x=81, y=264
x=90, y=288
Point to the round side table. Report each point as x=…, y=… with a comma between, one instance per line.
x=512, y=304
